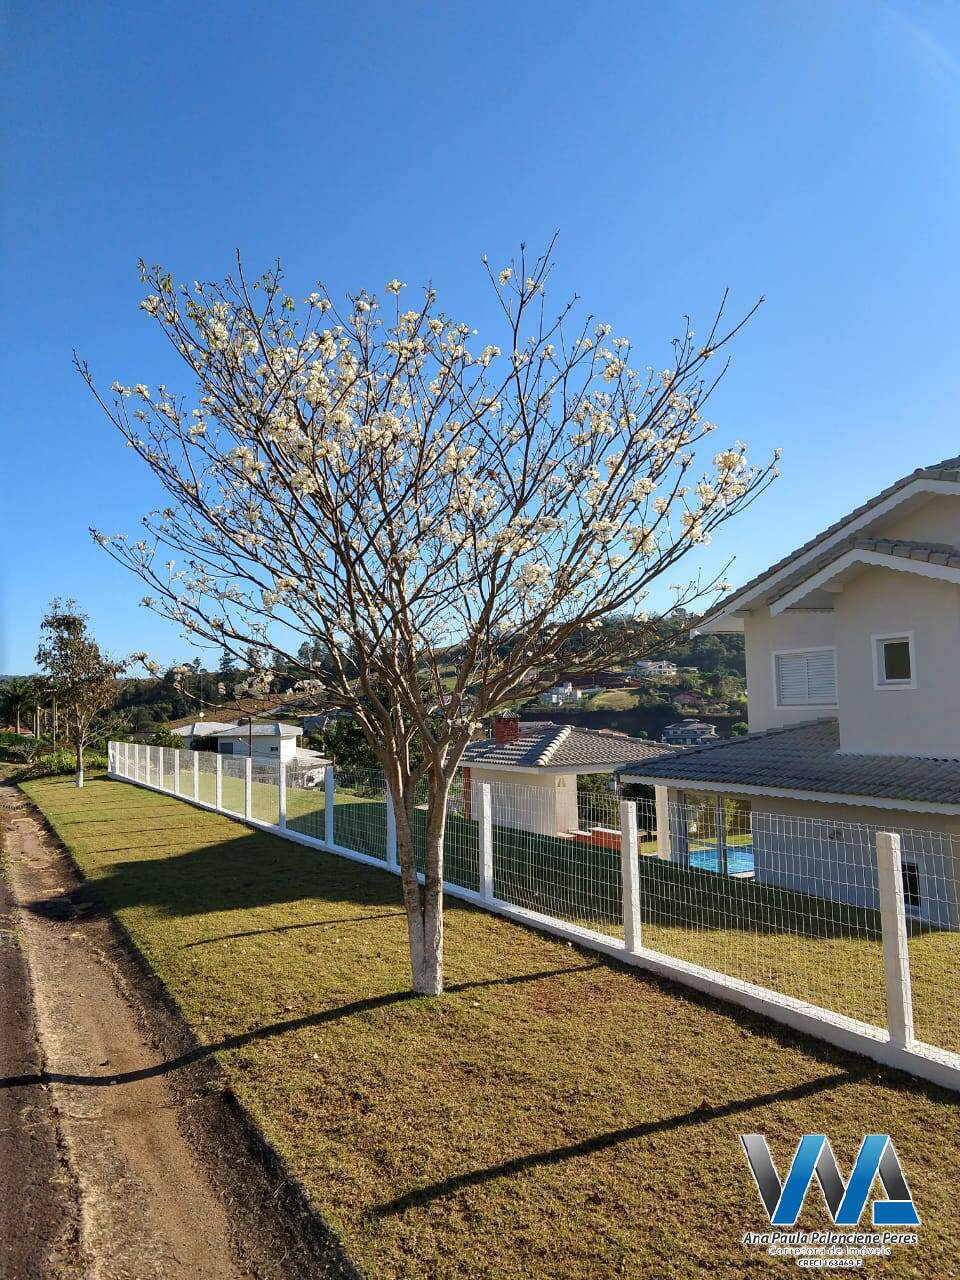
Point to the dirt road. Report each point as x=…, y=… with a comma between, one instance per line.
x=94, y=1113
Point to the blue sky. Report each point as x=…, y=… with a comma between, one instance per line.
x=804, y=151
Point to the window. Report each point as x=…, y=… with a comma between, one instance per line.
x=911, y=887
x=893, y=665
x=805, y=678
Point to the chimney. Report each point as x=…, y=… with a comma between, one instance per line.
x=506, y=727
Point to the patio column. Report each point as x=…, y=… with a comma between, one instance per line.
x=723, y=859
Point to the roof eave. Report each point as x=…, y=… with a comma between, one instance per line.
x=796, y=793
x=869, y=559
x=749, y=596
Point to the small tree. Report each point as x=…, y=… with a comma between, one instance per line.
x=83, y=681
x=409, y=501
x=17, y=697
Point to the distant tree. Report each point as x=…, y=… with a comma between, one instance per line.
x=344, y=742
x=377, y=481
x=83, y=681
x=165, y=738
x=17, y=697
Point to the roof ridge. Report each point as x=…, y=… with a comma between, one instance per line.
x=931, y=472
x=551, y=748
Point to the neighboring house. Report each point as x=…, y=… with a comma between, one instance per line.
x=533, y=775
x=195, y=730
x=852, y=654
x=659, y=669
x=275, y=740
x=688, y=733
x=560, y=695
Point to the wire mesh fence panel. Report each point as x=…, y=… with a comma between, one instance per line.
x=787, y=903
x=461, y=848
x=265, y=791
x=545, y=861
x=598, y=802
x=233, y=781
x=360, y=811
x=186, y=773
x=306, y=797
x=206, y=776
x=930, y=869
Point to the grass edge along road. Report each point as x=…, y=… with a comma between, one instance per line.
x=550, y=1115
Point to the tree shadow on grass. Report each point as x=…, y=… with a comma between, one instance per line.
x=613, y=1138
x=247, y=871
x=273, y=1029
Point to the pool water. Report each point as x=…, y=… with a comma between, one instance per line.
x=739, y=859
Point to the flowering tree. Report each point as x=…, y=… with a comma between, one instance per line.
x=381, y=484
x=82, y=680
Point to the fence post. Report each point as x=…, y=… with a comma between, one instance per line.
x=176, y=771
x=282, y=795
x=630, y=866
x=136, y=760
x=484, y=801
x=391, y=833
x=248, y=787
x=893, y=922
x=218, y=781
x=662, y=803
x=328, y=790
x=196, y=775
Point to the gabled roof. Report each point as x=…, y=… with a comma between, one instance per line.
x=201, y=728
x=946, y=471
x=806, y=758
x=562, y=747
x=274, y=730
x=896, y=553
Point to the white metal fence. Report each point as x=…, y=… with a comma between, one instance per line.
x=847, y=931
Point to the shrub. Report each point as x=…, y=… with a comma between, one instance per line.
x=64, y=762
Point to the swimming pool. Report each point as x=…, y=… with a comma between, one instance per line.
x=739, y=859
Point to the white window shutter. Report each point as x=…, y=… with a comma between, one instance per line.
x=791, y=679
x=806, y=679
x=821, y=677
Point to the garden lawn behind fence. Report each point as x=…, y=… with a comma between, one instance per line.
x=551, y=1115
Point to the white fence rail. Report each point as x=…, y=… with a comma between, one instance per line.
x=842, y=930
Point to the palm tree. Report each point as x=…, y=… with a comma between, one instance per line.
x=18, y=695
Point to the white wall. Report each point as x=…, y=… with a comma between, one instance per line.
x=763, y=636
x=529, y=799
x=273, y=748
x=937, y=519
x=924, y=720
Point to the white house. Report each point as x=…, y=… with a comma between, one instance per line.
x=533, y=770
x=659, y=669
x=852, y=658
x=688, y=733
x=196, y=730
x=276, y=740
x=560, y=695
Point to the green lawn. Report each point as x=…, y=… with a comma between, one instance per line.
x=802, y=946
x=551, y=1116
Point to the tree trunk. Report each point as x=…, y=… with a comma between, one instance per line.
x=78, y=747
x=18, y=721
x=424, y=903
